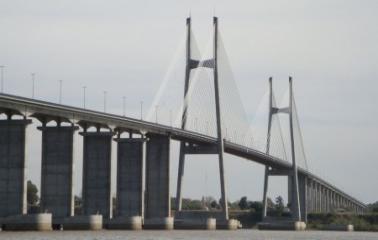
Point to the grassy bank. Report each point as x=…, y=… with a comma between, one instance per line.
x=316, y=221
x=367, y=222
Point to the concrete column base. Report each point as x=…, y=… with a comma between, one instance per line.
x=282, y=225
x=159, y=223
x=127, y=223
x=231, y=224
x=201, y=224
x=90, y=222
x=338, y=227
x=28, y=222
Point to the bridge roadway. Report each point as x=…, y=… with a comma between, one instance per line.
x=27, y=106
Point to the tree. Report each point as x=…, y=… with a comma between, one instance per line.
x=206, y=201
x=78, y=203
x=373, y=207
x=243, y=203
x=279, y=205
x=214, y=204
x=32, y=193
x=256, y=205
x=269, y=203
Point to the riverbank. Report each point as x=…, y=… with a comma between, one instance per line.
x=317, y=221
x=366, y=222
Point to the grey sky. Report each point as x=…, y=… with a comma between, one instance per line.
x=125, y=47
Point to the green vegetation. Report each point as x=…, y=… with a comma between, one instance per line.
x=32, y=194
x=373, y=207
x=366, y=222
x=249, y=213
x=78, y=203
x=32, y=197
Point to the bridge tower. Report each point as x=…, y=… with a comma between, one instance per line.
x=293, y=185
x=190, y=148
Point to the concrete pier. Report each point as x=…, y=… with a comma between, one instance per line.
x=276, y=223
x=200, y=224
x=13, y=206
x=202, y=220
x=89, y=222
x=158, y=207
x=338, y=227
x=12, y=167
x=30, y=222
x=129, y=210
x=57, y=195
x=97, y=174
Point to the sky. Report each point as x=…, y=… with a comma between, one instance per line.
x=126, y=48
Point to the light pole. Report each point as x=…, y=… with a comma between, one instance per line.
x=33, y=82
x=60, y=91
x=105, y=101
x=2, y=78
x=141, y=110
x=156, y=113
x=124, y=105
x=84, y=87
x=170, y=117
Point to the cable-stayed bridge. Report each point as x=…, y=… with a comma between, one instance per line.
x=208, y=117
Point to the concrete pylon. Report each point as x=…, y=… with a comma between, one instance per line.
x=13, y=206
x=223, y=222
x=97, y=173
x=12, y=167
x=57, y=196
x=130, y=203
x=158, y=203
x=188, y=69
x=297, y=188
x=266, y=174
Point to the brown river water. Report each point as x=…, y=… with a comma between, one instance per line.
x=186, y=235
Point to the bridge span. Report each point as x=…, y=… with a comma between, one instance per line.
x=316, y=194
x=143, y=162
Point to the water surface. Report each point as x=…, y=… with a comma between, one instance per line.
x=186, y=235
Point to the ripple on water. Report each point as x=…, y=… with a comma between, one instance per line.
x=188, y=235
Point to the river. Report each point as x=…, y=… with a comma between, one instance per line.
x=186, y=235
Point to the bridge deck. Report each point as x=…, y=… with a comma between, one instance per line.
x=28, y=106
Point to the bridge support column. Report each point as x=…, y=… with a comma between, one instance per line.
x=302, y=181
x=12, y=167
x=265, y=193
x=97, y=173
x=158, y=202
x=330, y=201
x=129, y=184
x=337, y=203
x=13, y=205
x=311, y=195
x=57, y=195
x=324, y=207
x=318, y=197
x=332, y=198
